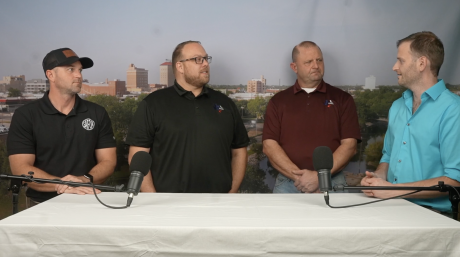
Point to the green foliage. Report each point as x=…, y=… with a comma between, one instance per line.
x=258, y=106
x=253, y=181
x=120, y=114
x=375, y=104
x=4, y=167
x=242, y=104
x=14, y=92
x=257, y=149
x=373, y=154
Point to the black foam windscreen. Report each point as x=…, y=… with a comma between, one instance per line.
x=141, y=161
x=322, y=158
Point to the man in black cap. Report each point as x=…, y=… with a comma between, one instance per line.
x=61, y=136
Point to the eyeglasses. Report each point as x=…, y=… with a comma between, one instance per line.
x=199, y=59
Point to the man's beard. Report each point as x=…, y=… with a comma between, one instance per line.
x=196, y=81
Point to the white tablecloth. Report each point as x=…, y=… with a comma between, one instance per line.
x=227, y=225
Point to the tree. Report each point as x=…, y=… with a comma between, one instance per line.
x=4, y=168
x=120, y=114
x=242, y=107
x=253, y=181
x=258, y=106
x=373, y=154
x=14, y=92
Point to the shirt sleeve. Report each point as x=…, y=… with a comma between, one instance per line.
x=272, y=125
x=106, y=138
x=449, y=140
x=349, y=120
x=141, y=132
x=20, y=136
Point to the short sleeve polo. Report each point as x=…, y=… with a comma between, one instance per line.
x=62, y=144
x=301, y=121
x=190, y=138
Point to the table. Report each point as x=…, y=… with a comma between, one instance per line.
x=227, y=225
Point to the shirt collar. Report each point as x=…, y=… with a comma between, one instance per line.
x=188, y=94
x=320, y=88
x=49, y=108
x=434, y=92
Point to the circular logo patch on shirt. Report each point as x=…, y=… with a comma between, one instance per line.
x=88, y=124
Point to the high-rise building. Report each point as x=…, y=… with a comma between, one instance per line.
x=137, y=78
x=166, y=73
x=370, y=83
x=37, y=85
x=257, y=85
x=114, y=88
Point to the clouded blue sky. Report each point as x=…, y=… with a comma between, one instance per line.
x=246, y=38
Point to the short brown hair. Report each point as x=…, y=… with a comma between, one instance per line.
x=295, y=51
x=177, y=53
x=427, y=44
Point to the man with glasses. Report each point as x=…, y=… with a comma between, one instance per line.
x=194, y=134
x=309, y=114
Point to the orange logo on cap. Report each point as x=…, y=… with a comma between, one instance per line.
x=69, y=53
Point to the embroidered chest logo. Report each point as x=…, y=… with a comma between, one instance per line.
x=88, y=124
x=218, y=108
x=328, y=103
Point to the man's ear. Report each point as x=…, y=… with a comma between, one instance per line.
x=50, y=75
x=423, y=63
x=180, y=67
x=294, y=67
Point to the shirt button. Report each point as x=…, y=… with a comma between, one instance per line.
x=399, y=160
x=404, y=142
x=408, y=124
x=396, y=179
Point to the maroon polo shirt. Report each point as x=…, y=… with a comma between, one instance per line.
x=300, y=122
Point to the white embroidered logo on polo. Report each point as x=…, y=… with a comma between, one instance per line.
x=88, y=124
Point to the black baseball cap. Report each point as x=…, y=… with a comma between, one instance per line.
x=62, y=57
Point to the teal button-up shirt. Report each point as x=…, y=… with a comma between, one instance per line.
x=425, y=144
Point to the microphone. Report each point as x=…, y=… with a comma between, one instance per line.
x=323, y=162
x=140, y=166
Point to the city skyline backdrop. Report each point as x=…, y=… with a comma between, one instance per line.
x=246, y=39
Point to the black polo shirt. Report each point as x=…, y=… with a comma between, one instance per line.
x=62, y=144
x=190, y=139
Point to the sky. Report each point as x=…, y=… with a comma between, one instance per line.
x=246, y=38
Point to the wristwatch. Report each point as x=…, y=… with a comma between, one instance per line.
x=89, y=176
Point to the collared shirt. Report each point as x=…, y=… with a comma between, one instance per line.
x=425, y=144
x=190, y=139
x=62, y=144
x=301, y=121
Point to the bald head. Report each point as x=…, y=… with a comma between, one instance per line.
x=305, y=44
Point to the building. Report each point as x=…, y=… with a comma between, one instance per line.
x=37, y=85
x=155, y=87
x=112, y=88
x=370, y=83
x=137, y=79
x=272, y=90
x=16, y=82
x=166, y=73
x=257, y=85
x=249, y=96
